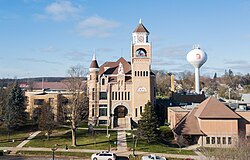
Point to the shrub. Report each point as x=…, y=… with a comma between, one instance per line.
x=166, y=133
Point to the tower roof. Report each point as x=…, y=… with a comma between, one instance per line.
x=94, y=63
x=141, y=28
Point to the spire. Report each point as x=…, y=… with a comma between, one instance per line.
x=94, y=63
x=141, y=27
x=94, y=57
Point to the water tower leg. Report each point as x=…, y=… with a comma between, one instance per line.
x=197, y=80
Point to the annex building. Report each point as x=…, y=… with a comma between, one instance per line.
x=209, y=124
x=118, y=91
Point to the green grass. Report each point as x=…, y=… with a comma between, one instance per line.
x=142, y=145
x=75, y=154
x=17, y=136
x=84, y=140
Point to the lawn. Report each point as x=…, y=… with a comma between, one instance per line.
x=142, y=145
x=84, y=140
x=17, y=136
x=66, y=154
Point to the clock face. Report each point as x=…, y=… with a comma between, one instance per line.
x=141, y=53
x=140, y=39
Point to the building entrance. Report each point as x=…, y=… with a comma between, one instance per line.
x=119, y=116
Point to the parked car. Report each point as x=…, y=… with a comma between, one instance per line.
x=153, y=157
x=104, y=155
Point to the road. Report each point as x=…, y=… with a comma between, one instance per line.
x=11, y=157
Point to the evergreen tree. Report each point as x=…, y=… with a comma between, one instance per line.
x=15, y=115
x=147, y=127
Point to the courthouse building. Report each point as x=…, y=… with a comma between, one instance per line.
x=118, y=91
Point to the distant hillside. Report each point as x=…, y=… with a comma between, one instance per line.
x=5, y=82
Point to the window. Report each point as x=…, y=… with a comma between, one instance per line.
x=102, y=110
x=224, y=140
x=118, y=95
x=103, y=95
x=140, y=109
x=113, y=95
x=90, y=77
x=146, y=73
x=125, y=94
x=93, y=110
x=141, y=73
x=136, y=112
x=207, y=140
x=51, y=101
x=218, y=140
x=128, y=95
x=229, y=140
x=103, y=81
x=213, y=140
x=102, y=121
x=135, y=73
x=38, y=101
x=93, y=93
x=122, y=95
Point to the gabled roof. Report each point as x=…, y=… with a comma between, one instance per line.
x=141, y=28
x=212, y=108
x=188, y=125
x=113, y=67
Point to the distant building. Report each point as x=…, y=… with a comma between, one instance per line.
x=210, y=124
x=55, y=93
x=246, y=99
x=118, y=91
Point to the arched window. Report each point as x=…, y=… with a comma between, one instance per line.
x=141, y=52
x=103, y=81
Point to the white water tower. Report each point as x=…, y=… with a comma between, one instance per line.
x=197, y=58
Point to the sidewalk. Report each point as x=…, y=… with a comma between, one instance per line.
x=28, y=139
x=121, y=148
x=121, y=141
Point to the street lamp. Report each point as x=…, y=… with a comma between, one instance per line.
x=53, y=151
x=108, y=136
x=133, y=145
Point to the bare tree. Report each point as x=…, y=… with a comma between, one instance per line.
x=77, y=99
x=46, y=119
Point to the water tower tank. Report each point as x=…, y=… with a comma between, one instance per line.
x=197, y=58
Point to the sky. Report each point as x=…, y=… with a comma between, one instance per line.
x=47, y=37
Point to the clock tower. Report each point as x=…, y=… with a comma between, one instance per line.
x=143, y=83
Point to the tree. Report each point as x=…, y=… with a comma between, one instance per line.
x=46, y=119
x=147, y=126
x=15, y=115
x=162, y=84
x=78, y=103
x=3, y=95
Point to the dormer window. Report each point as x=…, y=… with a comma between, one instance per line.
x=103, y=81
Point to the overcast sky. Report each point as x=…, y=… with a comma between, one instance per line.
x=47, y=37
